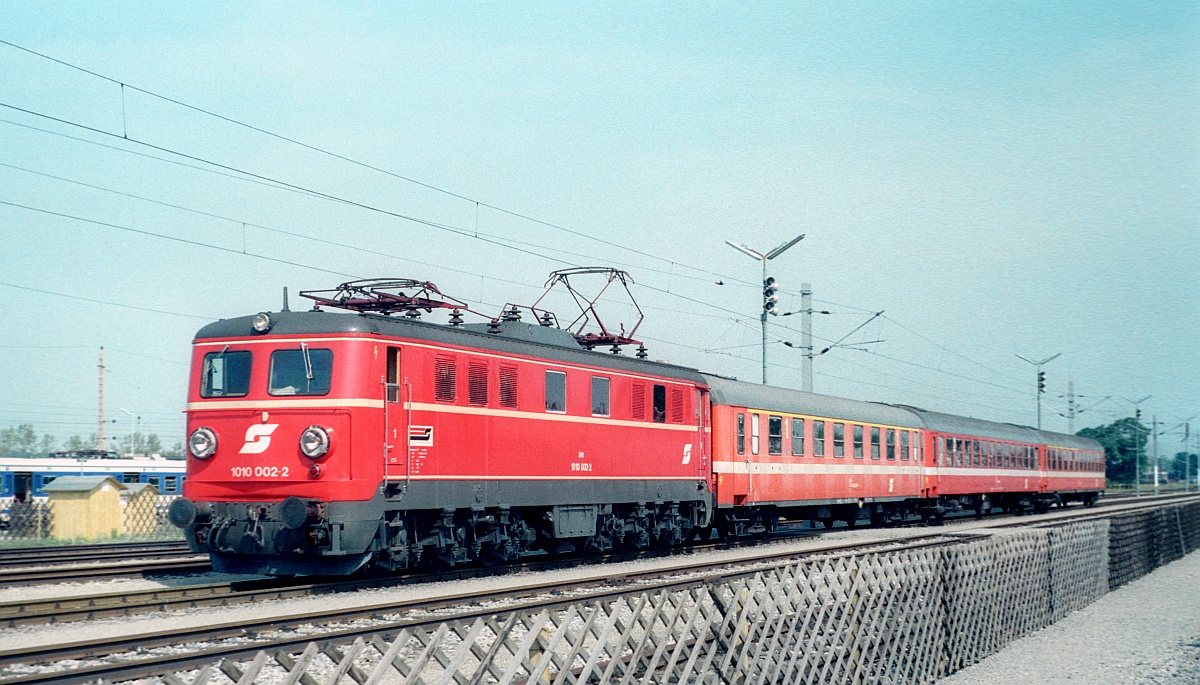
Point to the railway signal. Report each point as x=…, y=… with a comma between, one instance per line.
x=770, y=291
x=1041, y=382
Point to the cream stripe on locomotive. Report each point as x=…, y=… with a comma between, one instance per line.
x=742, y=467
x=509, y=413
x=280, y=404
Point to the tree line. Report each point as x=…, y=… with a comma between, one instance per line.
x=23, y=441
x=1126, y=452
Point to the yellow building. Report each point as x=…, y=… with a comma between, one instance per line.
x=85, y=507
x=141, y=508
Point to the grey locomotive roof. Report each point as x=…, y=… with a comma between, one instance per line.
x=515, y=337
x=768, y=398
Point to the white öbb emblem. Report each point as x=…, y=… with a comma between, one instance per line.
x=687, y=453
x=258, y=438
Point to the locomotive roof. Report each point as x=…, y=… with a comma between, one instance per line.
x=769, y=398
x=515, y=337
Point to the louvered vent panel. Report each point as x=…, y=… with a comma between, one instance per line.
x=639, y=401
x=477, y=384
x=508, y=387
x=677, y=405
x=445, y=380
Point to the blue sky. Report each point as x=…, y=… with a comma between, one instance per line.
x=1000, y=178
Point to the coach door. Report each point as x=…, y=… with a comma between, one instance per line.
x=397, y=407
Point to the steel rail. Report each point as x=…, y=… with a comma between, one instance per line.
x=550, y=592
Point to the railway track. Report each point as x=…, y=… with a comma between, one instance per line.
x=104, y=658
x=25, y=556
x=134, y=656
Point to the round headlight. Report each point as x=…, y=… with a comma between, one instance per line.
x=262, y=322
x=203, y=443
x=314, y=442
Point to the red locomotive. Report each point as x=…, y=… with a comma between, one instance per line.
x=324, y=442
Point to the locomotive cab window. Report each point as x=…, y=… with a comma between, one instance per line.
x=556, y=391
x=774, y=435
x=660, y=404
x=301, y=372
x=599, y=396
x=225, y=374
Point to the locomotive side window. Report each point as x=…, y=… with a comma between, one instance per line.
x=891, y=444
x=225, y=374
x=301, y=372
x=639, y=402
x=798, y=437
x=904, y=445
x=818, y=438
x=556, y=391
x=858, y=441
x=508, y=387
x=477, y=384
x=741, y=434
x=660, y=403
x=753, y=433
x=839, y=439
x=599, y=396
x=774, y=435
x=445, y=380
x=874, y=442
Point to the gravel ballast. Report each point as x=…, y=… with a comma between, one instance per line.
x=1145, y=632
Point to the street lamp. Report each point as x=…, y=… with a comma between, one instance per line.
x=1137, y=443
x=1041, y=382
x=770, y=296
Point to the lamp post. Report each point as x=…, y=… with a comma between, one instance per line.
x=1041, y=382
x=770, y=296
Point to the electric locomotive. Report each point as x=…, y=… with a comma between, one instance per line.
x=322, y=442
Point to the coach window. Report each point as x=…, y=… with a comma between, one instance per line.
x=774, y=435
x=891, y=444
x=599, y=396
x=172, y=483
x=556, y=391
x=660, y=404
x=798, y=437
x=225, y=374
x=858, y=441
x=741, y=434
x=754, y=434
x=904, y=445
x=839, y=439
x=301, y=372
x=874, y=442
x=819, y=438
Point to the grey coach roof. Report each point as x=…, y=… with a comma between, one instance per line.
x=962, y=425
x=768, y=398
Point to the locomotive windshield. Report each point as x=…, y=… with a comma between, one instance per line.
x=301, y=372
x=225, y=374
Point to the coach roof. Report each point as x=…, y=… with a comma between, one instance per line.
x=515, y=337
x=767, y=399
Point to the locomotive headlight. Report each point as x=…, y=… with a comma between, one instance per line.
x=261, y=322
x=203, y=442
x=314, y=442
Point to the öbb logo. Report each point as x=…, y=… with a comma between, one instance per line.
x=258, y=438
